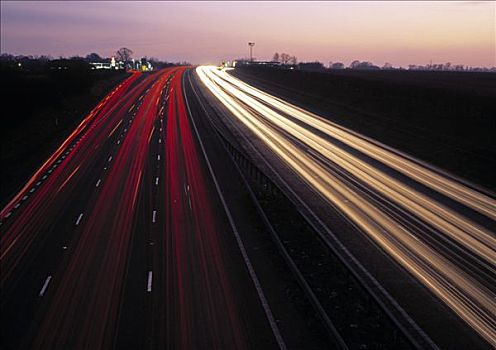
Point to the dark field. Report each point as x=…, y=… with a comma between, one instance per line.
x=445, y=118
x=41, y=107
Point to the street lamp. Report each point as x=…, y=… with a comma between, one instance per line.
x=251, y=51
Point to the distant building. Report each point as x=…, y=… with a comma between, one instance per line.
x=145, y=65
x=100, y=65
x=108, y=64
x=245, y=62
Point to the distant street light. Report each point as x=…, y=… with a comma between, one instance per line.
x=251, y=51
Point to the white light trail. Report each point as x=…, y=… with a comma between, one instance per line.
x=312, y=156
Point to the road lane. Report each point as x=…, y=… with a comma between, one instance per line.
x=180, y=287
x=21, y=229
x=443, y=267
x=121, y=243
x=44, y=230
x=141, y=314
x=84, y=310
x=203, y=305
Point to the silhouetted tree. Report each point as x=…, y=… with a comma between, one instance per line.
x=363, y=65
x=7, y=57
x=355, y=64
x=94, y=57
x=123, y=54
x=387, y=65
x=337, y=65
x=311, y=66
x=285, y=58
x=276, y=57
x=293, y=60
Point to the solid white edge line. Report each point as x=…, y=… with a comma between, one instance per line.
x=251, y=270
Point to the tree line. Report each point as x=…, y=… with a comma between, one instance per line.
x=286, y=59
x=123, y=54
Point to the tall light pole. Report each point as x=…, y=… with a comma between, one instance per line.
x=251, y=51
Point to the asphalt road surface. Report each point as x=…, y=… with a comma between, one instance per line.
x=437, y=228
x=120, y=240
x=131, y=234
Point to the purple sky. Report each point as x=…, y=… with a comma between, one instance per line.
x=208, y=32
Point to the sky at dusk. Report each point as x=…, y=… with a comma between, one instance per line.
x=400, y=32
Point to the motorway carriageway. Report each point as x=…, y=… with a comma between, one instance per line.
x=115, y=240
x=437, y=228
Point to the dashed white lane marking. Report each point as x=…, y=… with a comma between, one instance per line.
x=32, y=190
x=154, y=216
x=44, y=177
x=150, y=280
x=156, y=181
x=79, y=219
x=17, y=205
x=98, y=183
x=105, y=168
x=8, y=214
x=24, y=198
x=38, y=183
x=64, y=247
x=159, y=140
x=110, y=158
x=45, y=286
x=158, y=157
x=118, y=141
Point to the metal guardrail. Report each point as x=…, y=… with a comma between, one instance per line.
x=377, y=293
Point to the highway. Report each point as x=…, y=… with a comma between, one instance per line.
x=438, y=229
x=120, y=239
x=138, y=231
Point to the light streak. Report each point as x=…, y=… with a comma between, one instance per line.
x=312, y=157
